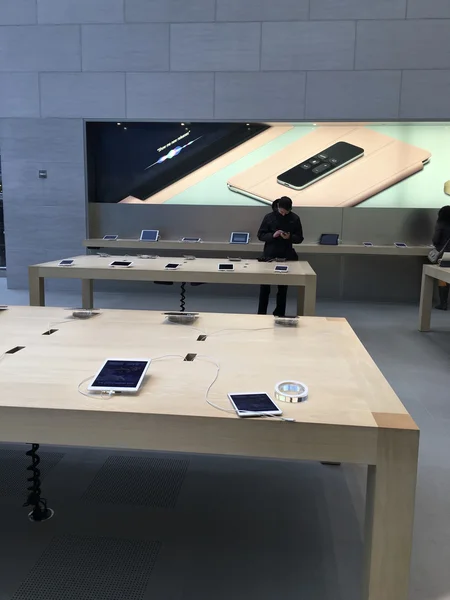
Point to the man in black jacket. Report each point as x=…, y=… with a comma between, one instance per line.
x=279, y=230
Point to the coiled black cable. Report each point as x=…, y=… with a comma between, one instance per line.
x=40, y=511
x=183, y=297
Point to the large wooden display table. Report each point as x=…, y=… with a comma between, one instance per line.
x=352, y=414
x=252, y=248
x=429, y=274
x=200, y=270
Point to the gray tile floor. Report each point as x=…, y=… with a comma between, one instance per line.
x=226, y=527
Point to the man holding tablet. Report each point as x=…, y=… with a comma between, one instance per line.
x=279, y=230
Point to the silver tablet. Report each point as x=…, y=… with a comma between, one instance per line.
x=120, y=375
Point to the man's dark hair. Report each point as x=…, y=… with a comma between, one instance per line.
x=285, y=202
x=444, y=214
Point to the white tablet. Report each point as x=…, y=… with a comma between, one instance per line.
x=149, y=235
x=225, y=267
x=239, y=237
x=255, y=404
x=172, y=266
x=67, y=262
x=281, y=268
x=110, y=237
x=120, y=375
x=121, y=263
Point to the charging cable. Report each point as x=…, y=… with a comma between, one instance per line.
x=107, y=394
x=210, y=360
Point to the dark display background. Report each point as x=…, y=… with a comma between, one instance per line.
x=140, y=159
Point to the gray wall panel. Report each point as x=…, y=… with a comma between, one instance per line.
x=80, y=11
x=63, y=186
x=429, y=9
x=403, y=44
x=56, y=232
x=353, y=94
x=136, y=47
x=215, y=47
x=357, y=9
x=91, y=95
x=386, y=226
x=307, y=46
x=170, y=95
x=262, y=10
x=43, y=218
x=17, y=12
x=382, y=279
x=425, y=92
x=43, y=48
x=42, y=140
x=328, y=270
x=260, y=95
x=165, y=11
x=19, y=95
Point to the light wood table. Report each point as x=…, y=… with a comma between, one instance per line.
x=252, y=248
x=200, y=270
x=352, y=414
x=429, y=274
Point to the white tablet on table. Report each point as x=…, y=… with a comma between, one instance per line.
x=120, y=375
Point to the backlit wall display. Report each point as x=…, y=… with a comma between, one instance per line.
x=398, y=165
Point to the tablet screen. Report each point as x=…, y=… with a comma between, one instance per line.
x=172, y=266
x=239, y=238
x=226, y=267
x=66, y=263
x=120, y=374
x=281, y=268
x=253, y=402
x=121, y=263
x=149, y=235
x=110, y=237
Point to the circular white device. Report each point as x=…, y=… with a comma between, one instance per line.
x=291, y=391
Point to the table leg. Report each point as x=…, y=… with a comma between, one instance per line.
x=426, y=302
x=391, y=486
x=301, y=300
x=306, y=299
x=87, y=293
x=36, y=287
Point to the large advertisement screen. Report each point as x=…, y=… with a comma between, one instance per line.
x=363, y=165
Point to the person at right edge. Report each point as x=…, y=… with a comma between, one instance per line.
x=441, y=241
x=279, y=230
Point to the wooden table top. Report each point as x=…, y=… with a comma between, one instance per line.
x=198, y=269
x=437, y=272
x=346, y=387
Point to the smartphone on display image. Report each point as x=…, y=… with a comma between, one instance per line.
x=281, y=269
x=320, y=165
x=256, y=404
x=66, y=262
x=367, y=244
x=172, y=266
x=400, y=245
